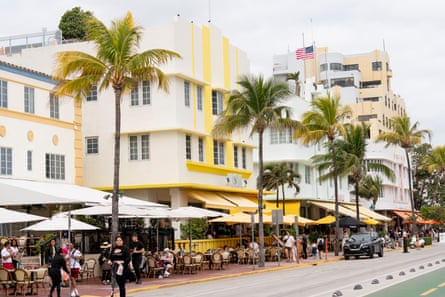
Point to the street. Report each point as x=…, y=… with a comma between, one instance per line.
x=323, y=280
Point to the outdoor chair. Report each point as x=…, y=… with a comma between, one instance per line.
x=217, y=260
x=179, y=264
x=242, y=259
x=199, y=257
x=23, y=281
x=90, y=267
x=188, y=264
x=40, y=276
x=252, y=256
x=6, y=279
x=153, y=267
x=273, y=253
x=225, y=257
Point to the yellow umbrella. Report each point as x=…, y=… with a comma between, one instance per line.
x=371, y=221
x=326, y=220
x=302, y=221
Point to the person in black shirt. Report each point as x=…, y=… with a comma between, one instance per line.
x=58, y=262
x=120, y=258
x=137, y=250
x=304, y=246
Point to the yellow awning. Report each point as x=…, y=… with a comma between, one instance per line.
x=241, y=218
x=302, y=221
x=242, y=203
x=211, y=200
x=369, y=213
x=325, y=220
x=371, y=222
x=341, y=210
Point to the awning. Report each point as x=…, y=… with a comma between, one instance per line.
x=405, y=215
x=211, y=200
x=369, y=213
x=242, y=203
x=341, y=210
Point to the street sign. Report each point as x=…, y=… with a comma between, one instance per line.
x=277, y=216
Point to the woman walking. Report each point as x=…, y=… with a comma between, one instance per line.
x=120, y=257
x=58, y=263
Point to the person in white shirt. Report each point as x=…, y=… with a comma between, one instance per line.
x=7, y=255
x=74, y=257
x=289, y=243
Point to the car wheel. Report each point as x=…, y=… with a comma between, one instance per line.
x=381, y=252
x=371, y=253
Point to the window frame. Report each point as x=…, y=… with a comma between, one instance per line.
x=29, y=99
x=91, y=147
x=219, y=153
x=188, y=147
x=4, y=93
x=235, y=156
x=55, y=166
x=54, y=106
x=29, y=160
x=186, y=93
x=6, y=161
x=92, y=96
x=200, y=149
x=199, y=97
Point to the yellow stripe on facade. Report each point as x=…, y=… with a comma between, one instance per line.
x=35, y=118
x=78, y=144
x=25, y=84
x=192, y=35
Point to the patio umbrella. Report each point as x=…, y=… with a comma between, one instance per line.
x=349, y=222
x=241, y=218
x=11, y=216
x=60, y=222
x=190, y=212
x=124, y=211
x=370, y=221
x=325, y=220
x=302, y=221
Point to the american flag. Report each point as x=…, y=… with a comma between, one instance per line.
x=305, y=53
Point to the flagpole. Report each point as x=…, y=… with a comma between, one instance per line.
x=304, y=70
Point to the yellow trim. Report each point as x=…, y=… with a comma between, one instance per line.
x=190, y=186
x=35, y=118
x=188, y=78
x=208, y=157
x=27, y=84
x=211, y=199
x=229, y=154
x=78, y=143
x=226, y=63
x=213, y=169
x=195, y=104
x=206, y=63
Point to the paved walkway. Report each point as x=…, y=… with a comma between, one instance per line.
x=93, y=287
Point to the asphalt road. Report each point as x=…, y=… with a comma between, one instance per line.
x=323, y=280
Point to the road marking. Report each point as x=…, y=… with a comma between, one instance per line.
x=428, y=292
x=441, y=285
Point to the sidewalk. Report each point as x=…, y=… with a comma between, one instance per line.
x=93, y=287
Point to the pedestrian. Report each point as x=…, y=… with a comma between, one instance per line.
x=120, y=258
x=74, y=260
x=7, y=255
x=104, y=262
x=314, y=251
x=137, y=250
x=320, y=246
x=57, y=269
x=289, y=243
x=15, y=252
x=304, y=246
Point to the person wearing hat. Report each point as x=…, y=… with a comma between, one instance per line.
x=104, y=262
x=137, y=250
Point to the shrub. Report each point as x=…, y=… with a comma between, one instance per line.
x=428, y=240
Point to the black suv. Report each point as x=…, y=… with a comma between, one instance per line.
x=363, y=244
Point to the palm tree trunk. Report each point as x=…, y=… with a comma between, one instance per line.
x=117, y=144
x=278, y=195
x=260, y=200
x=337, y=221
x=413, y=212
x=284, y=200
x=357, y=186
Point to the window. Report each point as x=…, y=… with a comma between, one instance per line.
x=3, y=94
x=343, y=82
x=29, y=99
x=323, y=67
x=336, y=66
x=350, y=67
x=29, y=160
x=188, y=147
x=138, y=89
x=200, y=149
x=370, y=84
x=187, y=93
x=93, y=94
x=307, y=175
x=55, y=166
x=5, y=161
x=53, y=106
x=133, y=147
x=243, y=157
x=199, y=97
x=367, y=117
x=139, y=143
x=218, y=153
x=280, y=136
x=92, y=144
x=372, y=99
x=217, y=102
x=377, y=66
x=235, y=156
x=145, y=147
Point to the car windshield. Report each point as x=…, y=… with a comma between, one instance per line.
x=360, y=237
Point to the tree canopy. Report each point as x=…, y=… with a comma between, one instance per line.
x=73, y=23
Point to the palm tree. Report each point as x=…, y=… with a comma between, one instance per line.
x=434, y=162
x=406, y=136
x=325, y=122
x=117, y=64
x=351, y=152
x=370, y=188
x=257, y=106
x=277, y=176
x=295, y=77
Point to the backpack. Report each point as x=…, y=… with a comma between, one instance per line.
x=81, y=260
x=320, y=242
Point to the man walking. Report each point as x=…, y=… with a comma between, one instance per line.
x=137, y=250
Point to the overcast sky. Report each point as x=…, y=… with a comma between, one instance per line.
x=413, y=33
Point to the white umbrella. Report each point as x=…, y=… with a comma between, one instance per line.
x=12, y=216
x=60, y=222
x=124, y=211
x=190, y=212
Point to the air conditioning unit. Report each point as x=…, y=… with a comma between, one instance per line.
x=234, y=180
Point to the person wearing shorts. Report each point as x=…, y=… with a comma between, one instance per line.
x=74, y=256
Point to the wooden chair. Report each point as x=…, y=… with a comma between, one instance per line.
x=199, y=257
x=40, y=277
x=188, y=264
x=217, y=260
x=273, y=253
x=23, y=281
x=242, y=259
x=252, y=256
x=90, y=267
x=6, y=280
x=179, y=264
x=153, y=267
x=225, y=257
